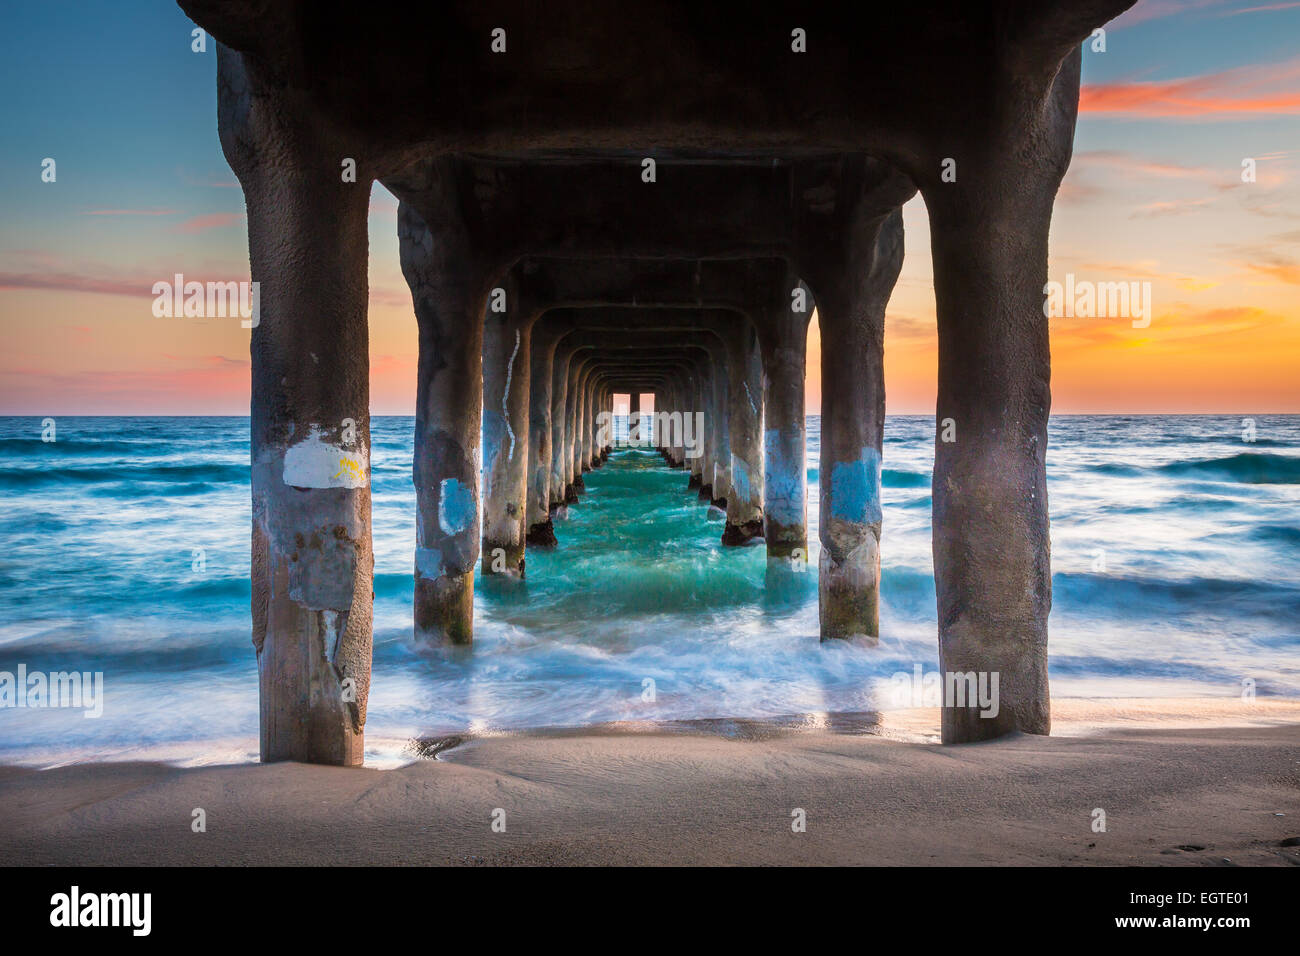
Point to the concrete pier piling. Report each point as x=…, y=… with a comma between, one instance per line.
x=783, y=334
x=506, y=402
x=312, y=558
x=625, y=235
x=450, y=297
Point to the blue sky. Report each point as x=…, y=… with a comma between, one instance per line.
x=115, y=95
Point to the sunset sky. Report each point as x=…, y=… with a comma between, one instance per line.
x=1183, y=93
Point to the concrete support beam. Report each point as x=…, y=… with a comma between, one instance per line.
x=992, y=554
x=745, y=471
x=312, y=559
x=743, y=91
x=634, y=416
x=450, y=287
x=559, y=482
x=732, y=343
x=853, y=253
x=540, y=528
x=784, y=337
x=852, y=314
x=507, y=370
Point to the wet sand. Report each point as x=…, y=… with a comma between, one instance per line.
x=1182, y=782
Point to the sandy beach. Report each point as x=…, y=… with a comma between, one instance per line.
x=1182, y=782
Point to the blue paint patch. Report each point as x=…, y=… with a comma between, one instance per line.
x=786, y=497
x=457, y=509
x=855, y=489
x=428, y=563
x=740, y=478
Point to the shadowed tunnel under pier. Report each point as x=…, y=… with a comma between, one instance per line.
x=659, y=218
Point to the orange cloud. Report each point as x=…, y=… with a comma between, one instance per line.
x=1283, y=271
x=1231, y=92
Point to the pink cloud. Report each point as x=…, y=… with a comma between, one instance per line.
x=66, y=282
x=1266, y=8
x=1131, y=163
x=1169, y=208
x=214, y=220
x=195, y=385
x=393, y=297
x=1148, y=10
x=130, y=212
x=62, y=280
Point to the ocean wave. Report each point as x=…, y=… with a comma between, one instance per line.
x=1122, y=594
x=394, y=584
x=213, y=473
x=1114, y=470
x=144, y=662
x=1248, y=467
x=897, y=478
x=889, y=478
x=65, y=446
x=1277, y=534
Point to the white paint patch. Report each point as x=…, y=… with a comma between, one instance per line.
x=331, y=633
x=505, y=412
x=315, y=463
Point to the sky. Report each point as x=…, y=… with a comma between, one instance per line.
x=1183, y=93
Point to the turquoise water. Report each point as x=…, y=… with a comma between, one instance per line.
x=1176, y=557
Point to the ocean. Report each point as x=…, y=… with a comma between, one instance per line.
x=1175, y=555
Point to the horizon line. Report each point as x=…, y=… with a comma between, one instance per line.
x=1147, y=414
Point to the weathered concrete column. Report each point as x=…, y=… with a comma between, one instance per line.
x=581, y=439
x=600, y=419
x=666, y=404
x=634, y=417
x=717, y=474
x=506, y=432
x=700, y=462
x=609, y=407
x=695, y=444
x=677, y=412
x=745, y=434
x=851, y=307
x=450, y=290
x=992, y=551
x=784, y=336
x=600, y=407
x=597, y=417
x=572, y=422
x=649, y=431
x=589, y=423
x=312, y=561
x=559, y=396
x=541, y=530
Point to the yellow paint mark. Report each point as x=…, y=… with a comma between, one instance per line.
x=351, y=467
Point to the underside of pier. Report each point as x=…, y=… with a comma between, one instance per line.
x=646, y=198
